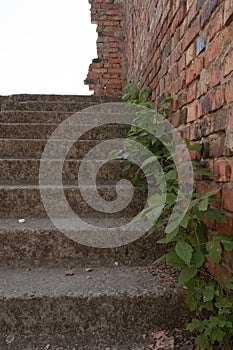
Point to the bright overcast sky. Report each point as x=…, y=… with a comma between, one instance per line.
x=46, y=46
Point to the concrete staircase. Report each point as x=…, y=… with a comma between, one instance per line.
x=54, y=290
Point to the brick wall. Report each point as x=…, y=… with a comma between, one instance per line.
x=184, y=48
x=106, y=71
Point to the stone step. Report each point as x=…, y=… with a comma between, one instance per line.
x=44, y=131
x=114, y=300
x=86, y=116
x=37, y=241
x=33, y=117
x=59, y=98
x=62, y=106
x=33, y=149
x=100, y=341
x=26, y=171
x=25, y=200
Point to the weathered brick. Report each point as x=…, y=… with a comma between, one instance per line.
x=191, y=33
x=214, y=146
x=192, y=92
x=229, y=91
x=215, y=75
x=216, y=24
x=194, y=70
x=217, y=98
x=227, y=195
x=190, y=53
x=214, y=49
x=228, y=63
x=226, y=227
x=228, y=12
x=222, y=170
x=203, y=83
x=192, y=112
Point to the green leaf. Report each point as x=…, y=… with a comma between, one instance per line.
x=186, y=275
x=193, y=325
x=113, y=154
x=185, y=222
x=171, y=227
x=184, y=251
x=171, y=175
x=221, y=237
x=198, y=259
x=173, y=260
x=195, y=148
x=149, y=160
x=157, y=200
x=228, y=245
x=208, y=294
x=215, y=251
x=203, y=205
x=141, y=214
x=211, y=193
x=217, y=335
x=171, y=235
x=214, y=214
x=157, y=261
x=203, y=342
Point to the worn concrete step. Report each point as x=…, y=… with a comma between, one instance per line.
x=27, y=148
x=86, y=116
x=100, y=341
x=33, y=117
x=62, y=106
x=44, y=131
x=112, y=300
x=25, y=200
x=52, y=102
x=38, y=241
x=26, y=171
x=58, y=98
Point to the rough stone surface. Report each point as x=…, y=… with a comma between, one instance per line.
x=110, y=300
x=53, y=290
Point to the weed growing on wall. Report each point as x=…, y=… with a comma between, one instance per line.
x=209, y=300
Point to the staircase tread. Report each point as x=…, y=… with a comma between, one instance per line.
x=108, y=186
x=41, y=224
x=108, y=281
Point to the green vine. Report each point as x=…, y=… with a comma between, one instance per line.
x=210, y=300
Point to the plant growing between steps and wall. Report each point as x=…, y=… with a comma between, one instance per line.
x=210, y=300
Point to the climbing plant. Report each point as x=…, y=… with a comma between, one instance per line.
x=193, y=246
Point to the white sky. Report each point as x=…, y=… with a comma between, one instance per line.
x=46, y=46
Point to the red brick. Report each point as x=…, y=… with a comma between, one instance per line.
x=215, y=76
x=228, y=63
x=192, y=112
x=203, y=83
x=185, y=132
x=192, y=12
x=219, y=271
x=228, y=11
x=227, y=197
x=222, y=170
x=190, y=53
x=217, y=99
x=229, y=91
x=216, y=24
x=226, y=227
x=214, y=49
x=227, y=35
x=192, y=92
x=181, y=63
x=191, y=33
x=194, y=70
